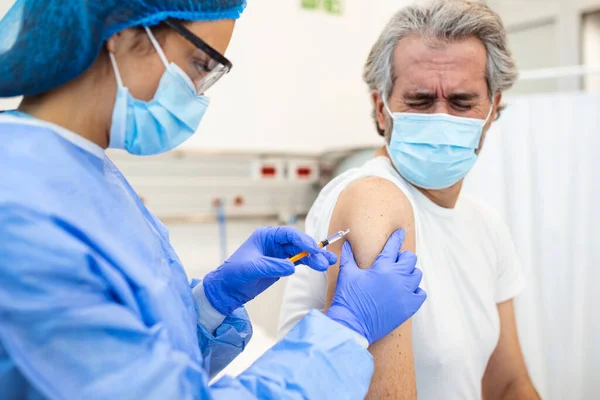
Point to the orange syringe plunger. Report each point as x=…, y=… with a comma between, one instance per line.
x=323, y=243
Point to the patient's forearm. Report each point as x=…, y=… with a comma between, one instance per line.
x=394, y=376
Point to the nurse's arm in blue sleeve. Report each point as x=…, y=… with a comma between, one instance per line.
x=71, y=338
x=221, y=339
x=317, y=359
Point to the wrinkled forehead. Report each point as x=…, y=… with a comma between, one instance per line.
x=443, y=67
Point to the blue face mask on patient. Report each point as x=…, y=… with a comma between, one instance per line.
x=163, y=123
x=434, y=151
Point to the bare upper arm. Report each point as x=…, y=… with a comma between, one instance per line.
x=373, y=208
x=506, y=366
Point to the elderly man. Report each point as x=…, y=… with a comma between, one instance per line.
x=436, y=74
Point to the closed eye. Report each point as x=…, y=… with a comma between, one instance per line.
x=462, y=106
x=420, y=105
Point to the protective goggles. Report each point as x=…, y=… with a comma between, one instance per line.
x=213, y=65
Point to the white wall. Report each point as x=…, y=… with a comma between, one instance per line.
x=523, y=17
x=541, y=40
x=297, y=79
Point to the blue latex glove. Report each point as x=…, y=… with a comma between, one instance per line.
x=258, y=264
x=374, y=302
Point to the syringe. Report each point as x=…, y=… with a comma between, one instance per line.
x=324, y=243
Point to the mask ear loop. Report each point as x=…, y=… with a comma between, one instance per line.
x=478, y=150
x=119, y=117
x=116, y=69
x=489, y=114
x=166, y=63
x=387, y=107
x=391, y=115
x=157, y=47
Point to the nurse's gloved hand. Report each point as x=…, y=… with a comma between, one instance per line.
x=374, y=302
x=259, y=263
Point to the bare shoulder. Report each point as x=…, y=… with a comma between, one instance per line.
x=373, y=208
x=375, y=193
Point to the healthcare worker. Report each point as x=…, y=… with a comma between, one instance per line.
x=94, y=303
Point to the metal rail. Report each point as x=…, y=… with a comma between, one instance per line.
x=558, y=72
x=212, y=218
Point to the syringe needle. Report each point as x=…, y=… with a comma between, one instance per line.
x=324, y=243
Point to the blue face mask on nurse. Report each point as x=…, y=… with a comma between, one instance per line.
x=94, y=301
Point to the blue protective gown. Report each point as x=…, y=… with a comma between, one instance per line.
x=94, y=303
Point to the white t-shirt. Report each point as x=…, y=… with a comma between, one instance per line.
x=469, y=265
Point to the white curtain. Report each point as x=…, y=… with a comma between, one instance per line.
x=540, y=168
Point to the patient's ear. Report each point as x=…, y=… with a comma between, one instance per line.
x=497, y=105
x=379, y=110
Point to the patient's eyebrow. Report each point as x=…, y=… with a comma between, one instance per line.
x=420, y=95
x=424, y=95
x=463, y=96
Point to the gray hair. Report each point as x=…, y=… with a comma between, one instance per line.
x=446, y=20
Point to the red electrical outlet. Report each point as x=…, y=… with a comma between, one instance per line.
x=268, y=169
x=303, y=170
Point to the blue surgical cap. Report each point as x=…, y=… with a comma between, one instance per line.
x=47, y=43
